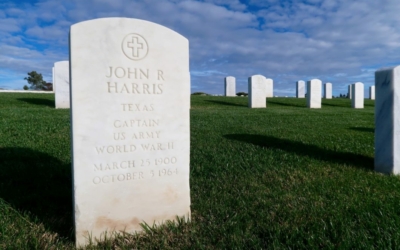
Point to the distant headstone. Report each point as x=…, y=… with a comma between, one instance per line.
x=270, y=87
x=230, y=86
x=328, y=90
x=130, y=89
x=54, y=84
x=257, y=91
x=387, y=120
x=372, y=92
x=61, y=79
x=314, y=88
x=357, y=99
x=300, y=89
x=349, y=91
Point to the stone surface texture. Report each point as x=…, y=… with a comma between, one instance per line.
x=270, y=87
x=372, y=92
x=314, y=88
x=357, y=98
x=257, y=91
x=130, y=89
x=387, y=120
x=230, y=86
x=328, y=90
x=61, y=79
x=300, y=89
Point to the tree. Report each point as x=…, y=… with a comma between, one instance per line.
x=35, y=80
x=241, y=94
x=25, y=87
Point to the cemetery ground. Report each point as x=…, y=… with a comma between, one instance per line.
x=281, y=177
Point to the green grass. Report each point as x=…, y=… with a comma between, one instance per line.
x=278, y=178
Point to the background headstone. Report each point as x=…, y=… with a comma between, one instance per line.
x=54, y=84
x=328, y=90
x=314, y=88
x=130, y=90
x=270, y=87
x=387, y=120
x=230, y=86
x=372, y=92
x=300, y=89
x=257, y=91
x=349, y=91
x=61, y=79
x=357, y=99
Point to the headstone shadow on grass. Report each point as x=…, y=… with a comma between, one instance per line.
x=39, y=184
x=288, y=104
x=338, y=105
x=356, y=160
x=363, y=129
x=228, y=103
x=38, y=101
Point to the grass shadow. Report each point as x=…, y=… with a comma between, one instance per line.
x=363, y=129
x=40, y=184
x=38, y=101
x=227, y=103
x=336, y=105
x=271, y=101
x=357, y=160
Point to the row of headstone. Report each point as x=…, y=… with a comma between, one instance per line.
x=387, y=107
x=301, y=93
x=371, y=92
x=300, y=90
x=230, y=86
x=129, y=85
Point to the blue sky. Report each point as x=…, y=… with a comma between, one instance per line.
x=337, y=41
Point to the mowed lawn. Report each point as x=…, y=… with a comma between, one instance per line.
x=284, y=177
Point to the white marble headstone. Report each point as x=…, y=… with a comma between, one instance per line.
x=349, y=91
x=387, y=120
x=270, y=87
x=130, y=90
x=257, y=91
x=300, y=89
x=230, y=86
x=61, y=79
x=372, y=92
x=314, y=88
x=328, y=90
x=357, y=98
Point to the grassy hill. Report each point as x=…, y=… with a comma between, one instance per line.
x=281, y=177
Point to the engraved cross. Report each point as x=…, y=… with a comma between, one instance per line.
x=135, y=46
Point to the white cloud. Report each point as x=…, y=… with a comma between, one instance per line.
x=334, y=40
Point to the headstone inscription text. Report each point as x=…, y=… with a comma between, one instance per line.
x=130, y=125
